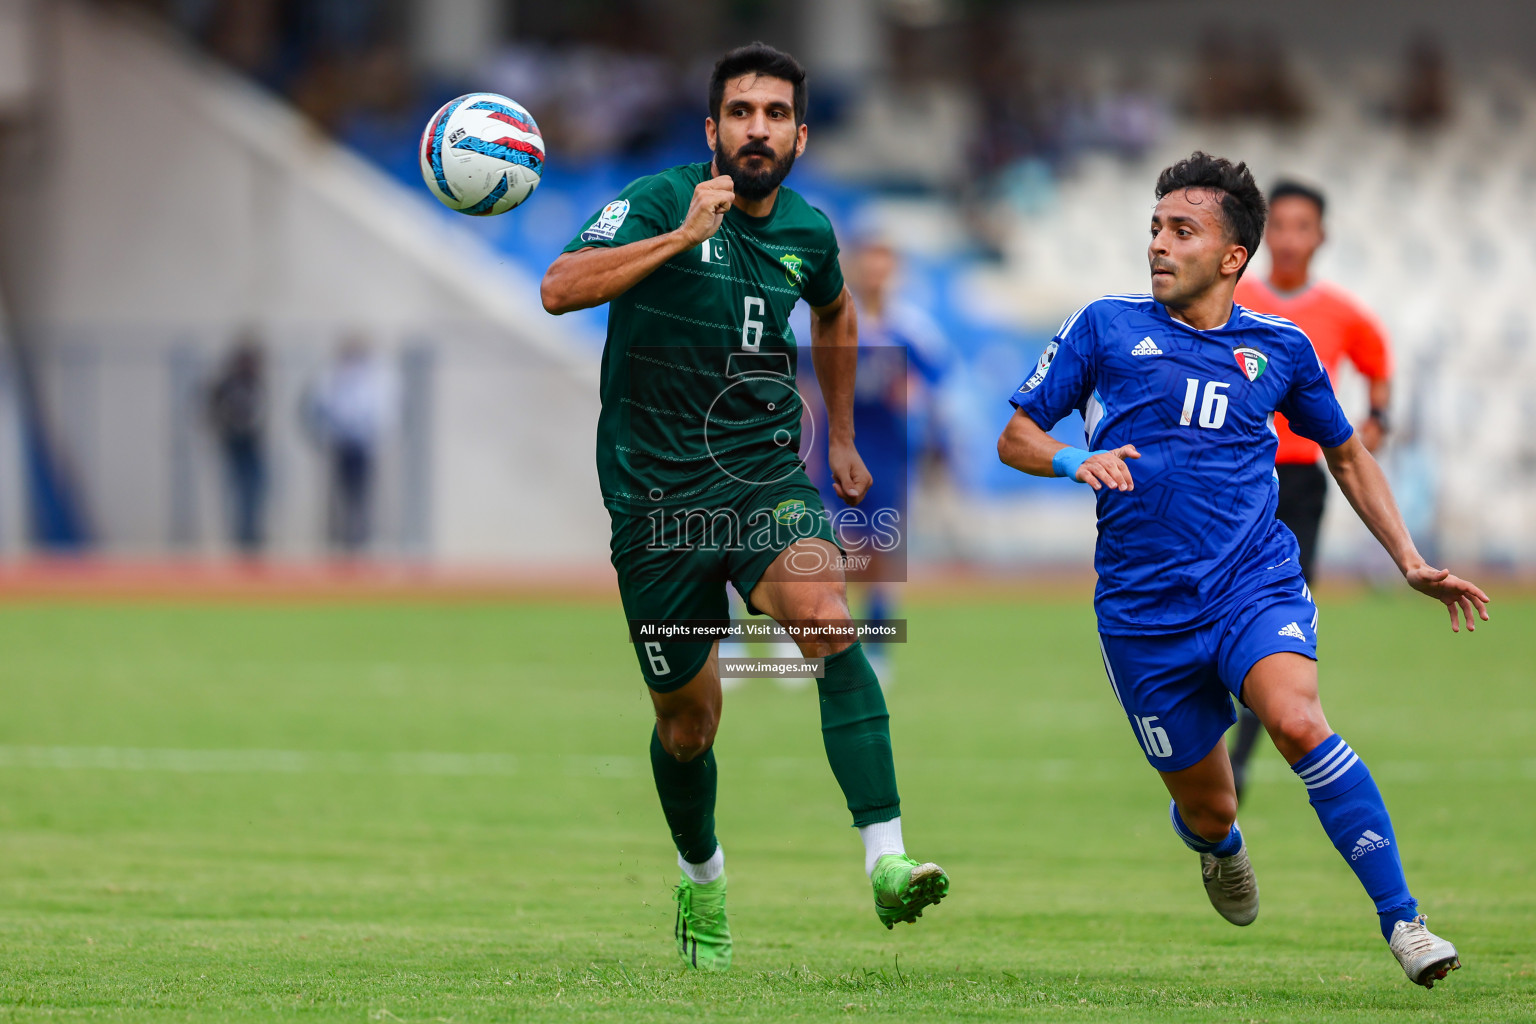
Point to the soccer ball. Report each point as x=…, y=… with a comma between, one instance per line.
x=482, y=154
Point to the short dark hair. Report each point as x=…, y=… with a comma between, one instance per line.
x=1286, y=187
x=761, y=59
x=1242, y=203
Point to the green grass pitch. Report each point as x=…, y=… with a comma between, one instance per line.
x=443, y=812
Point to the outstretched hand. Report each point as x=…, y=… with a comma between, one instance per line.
x=1453, y=592
x=1108, y=469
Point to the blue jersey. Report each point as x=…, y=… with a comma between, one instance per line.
x=1198, y=532
x=894, y=424
x=889, y=423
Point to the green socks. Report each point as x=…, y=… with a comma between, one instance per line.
x=687, y=791
x=856, y=730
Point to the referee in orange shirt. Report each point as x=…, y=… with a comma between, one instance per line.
x=1339, y=326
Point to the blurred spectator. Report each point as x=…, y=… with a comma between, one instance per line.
x=1131, y=117
x=331, y=58
x=1273, y=92
x=1236, y=81
x=999, y=75
x=237, y=413
x=1215, y=94
x=594, y=101
x=1426, y=88
x=242, y=32
x=351, y=410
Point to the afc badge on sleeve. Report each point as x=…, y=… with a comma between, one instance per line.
x=1041, y=368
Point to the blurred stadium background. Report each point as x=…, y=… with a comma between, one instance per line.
x=181, y=176
x=435, y=806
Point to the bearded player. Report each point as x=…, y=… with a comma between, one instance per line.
x=697, y=457
x=1200, y=597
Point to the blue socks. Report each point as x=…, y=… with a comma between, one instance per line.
x=1350, y=808
x=1192, y=839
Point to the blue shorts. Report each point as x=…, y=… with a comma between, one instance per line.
x=1177, y=688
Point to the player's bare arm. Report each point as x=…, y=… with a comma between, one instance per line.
x=1027, y=448
x=591, y=277
x=1364, y=484
x=835, y=353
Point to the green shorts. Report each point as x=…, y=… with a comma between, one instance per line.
x=674, y=563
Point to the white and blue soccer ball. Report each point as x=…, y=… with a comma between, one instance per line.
x=482, y=154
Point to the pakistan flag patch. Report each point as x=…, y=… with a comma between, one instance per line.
x=1252, y=362
x=792, y=271
x=789, y=512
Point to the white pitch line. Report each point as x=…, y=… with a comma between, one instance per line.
x=620, y=766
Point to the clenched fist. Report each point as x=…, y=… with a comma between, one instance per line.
x=707, y=209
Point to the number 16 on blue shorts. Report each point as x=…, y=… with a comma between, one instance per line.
x=1177, y=688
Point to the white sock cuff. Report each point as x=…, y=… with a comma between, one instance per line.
x=707, y=872
x=881, y=838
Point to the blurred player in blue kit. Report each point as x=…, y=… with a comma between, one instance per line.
x=903, y=359
x=1200, y=597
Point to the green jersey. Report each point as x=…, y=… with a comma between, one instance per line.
x=698, y=374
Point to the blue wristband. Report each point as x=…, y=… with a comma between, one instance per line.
x=1067, y=461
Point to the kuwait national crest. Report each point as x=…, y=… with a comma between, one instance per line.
x=1252, y=362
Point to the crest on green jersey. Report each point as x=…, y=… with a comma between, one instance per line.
x=792, y=271
x=1252, y=362
x=789, y=512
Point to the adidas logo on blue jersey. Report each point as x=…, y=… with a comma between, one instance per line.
x=1367, y=842
x=1146, y=347
x=1293, y=631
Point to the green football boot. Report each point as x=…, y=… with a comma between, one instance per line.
x=702, y=932
x=903, y=887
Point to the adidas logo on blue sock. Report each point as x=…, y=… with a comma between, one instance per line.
x=1367, y=842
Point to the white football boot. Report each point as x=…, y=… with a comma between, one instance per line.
x=1230, y=884
x=1425, y=956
